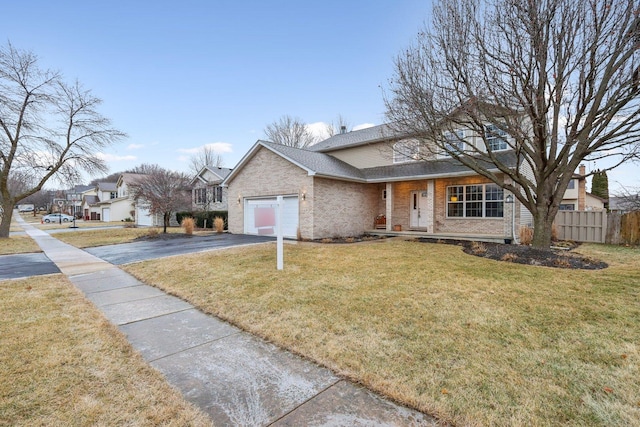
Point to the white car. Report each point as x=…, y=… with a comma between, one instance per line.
x=56, y=217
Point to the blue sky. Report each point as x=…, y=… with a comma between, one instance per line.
x=178, y=75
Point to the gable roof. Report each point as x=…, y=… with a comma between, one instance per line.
x=90, y=200
x=324, y=165
x=107, y=186
x=222, y=173
x=312, y=162
x=129, y=177
x=357, y=137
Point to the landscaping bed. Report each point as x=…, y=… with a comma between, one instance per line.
x=560, y=256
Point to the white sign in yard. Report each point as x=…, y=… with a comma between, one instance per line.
x=266, y=218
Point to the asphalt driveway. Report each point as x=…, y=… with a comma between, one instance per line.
x=162, y=247
x=25, y=265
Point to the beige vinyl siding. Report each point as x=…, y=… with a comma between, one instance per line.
x=366, y=156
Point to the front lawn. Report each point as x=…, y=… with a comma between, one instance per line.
x=63, y=364
x=18, y=245
x=109, y=236
x=470, y=340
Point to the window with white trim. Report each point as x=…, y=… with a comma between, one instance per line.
x=475, y=201
x=454, y=141
x=567, y=207
x=496, y=138
x=200, y=196
x=406, y=151
x=217, y=194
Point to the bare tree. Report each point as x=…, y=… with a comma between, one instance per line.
x=550, y=81
x=627, y=199
x=290, y=131
x=340, y=125
x=48, y=129
x=164, y=191
x=205, y=157
x=41, y=199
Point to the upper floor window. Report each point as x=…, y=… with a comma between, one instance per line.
x=406, y=151
x=571, y=185
x=454, y=141
x=475, y=201
x=113, y=195
x=217, y=194
x=567, y=207
x=200, y=196
x=496, y=138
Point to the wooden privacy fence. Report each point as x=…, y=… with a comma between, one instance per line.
x=623, y=228
x=582, y=226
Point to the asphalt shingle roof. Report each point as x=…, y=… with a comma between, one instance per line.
x=357, y=137
x=318, y=163
x=326, y=165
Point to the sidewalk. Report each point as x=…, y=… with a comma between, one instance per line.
x=234, y=377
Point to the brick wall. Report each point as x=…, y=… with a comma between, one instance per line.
x=268, y=174
x=344, y=208
x=442, y=224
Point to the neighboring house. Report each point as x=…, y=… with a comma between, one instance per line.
x=207, y=194
x=92, y=208
x=110, y=201
x=354, y=182
x=624, y=204
x=576, y=197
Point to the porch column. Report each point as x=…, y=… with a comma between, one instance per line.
x=389, y=205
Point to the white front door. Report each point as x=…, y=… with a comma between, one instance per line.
x=419, y=210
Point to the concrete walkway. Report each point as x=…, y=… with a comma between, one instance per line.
x=234, y=377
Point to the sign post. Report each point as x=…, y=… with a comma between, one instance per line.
x=279, y=239
x=60, y=204
x=268, y=217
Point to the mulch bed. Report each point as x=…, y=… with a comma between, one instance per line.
x=521, y=254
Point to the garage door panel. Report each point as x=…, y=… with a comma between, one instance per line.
x=143, y=217
x=289, y=216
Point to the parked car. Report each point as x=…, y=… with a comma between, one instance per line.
x=56, y=217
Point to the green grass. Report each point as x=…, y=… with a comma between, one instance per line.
x=470, y=340
x=63, y=364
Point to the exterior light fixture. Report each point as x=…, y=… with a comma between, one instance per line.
x=239, y=199
x=509, y=198
x=304, y=196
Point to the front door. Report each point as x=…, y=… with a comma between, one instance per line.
x=419, y=211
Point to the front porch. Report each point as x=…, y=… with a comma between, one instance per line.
x=438, y=236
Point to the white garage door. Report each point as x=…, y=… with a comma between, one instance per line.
x=253, y=209
x=106, y=214
x=143, y=217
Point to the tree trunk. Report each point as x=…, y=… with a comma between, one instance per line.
x=542, y=226
x=166, y=222
x=5, y=224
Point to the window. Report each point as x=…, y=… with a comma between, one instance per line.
x=113, y=195
x=454, y=141
x=406, y=151
x=495, y=138
x=571, y=185
x=200, y=196
x=567, y=207
x=217, y=193
x=475, y=201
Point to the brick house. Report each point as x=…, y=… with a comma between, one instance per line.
x=369, y=179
